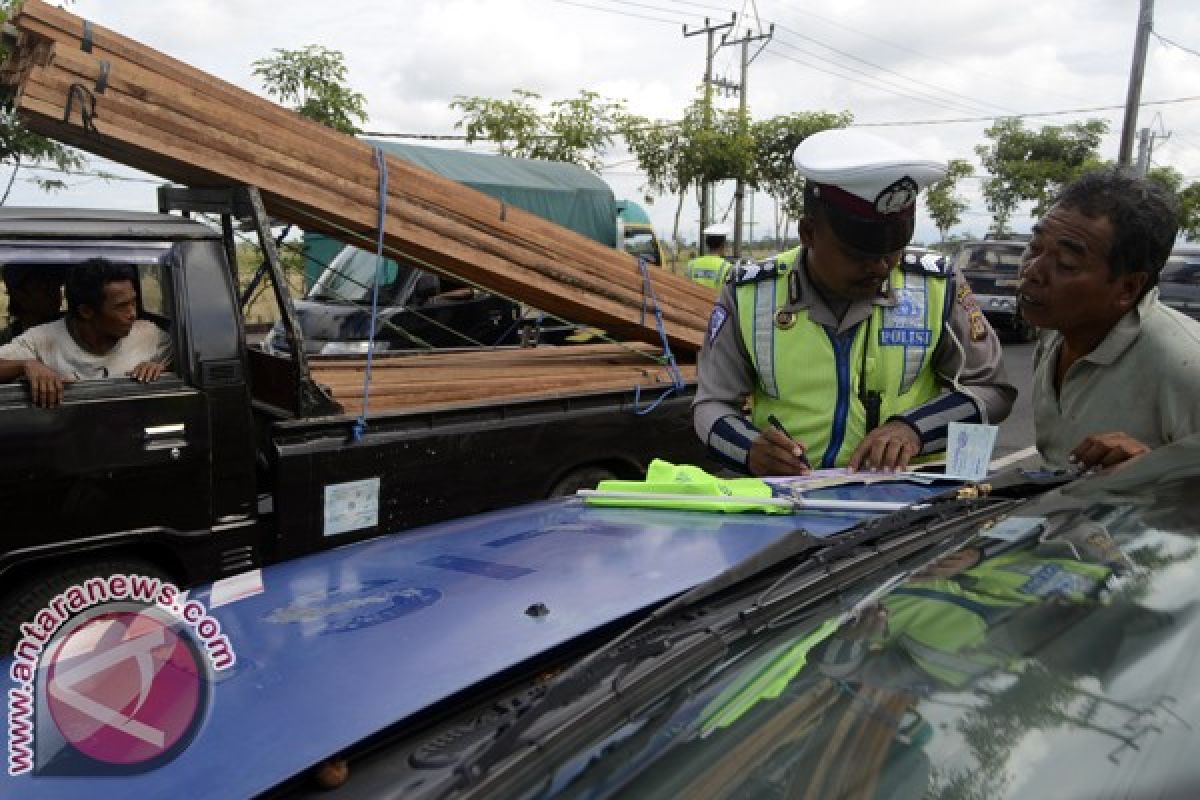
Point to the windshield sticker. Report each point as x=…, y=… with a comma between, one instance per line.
x=113, y=677
x=351, y=506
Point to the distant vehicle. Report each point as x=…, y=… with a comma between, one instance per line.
x=638, y=237
x=992, y=268
x=1179, y=282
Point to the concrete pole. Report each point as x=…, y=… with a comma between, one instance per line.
x=1136, y=72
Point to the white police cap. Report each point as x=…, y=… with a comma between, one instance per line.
x=867, y=184
x=885, y=174
x=717, y=230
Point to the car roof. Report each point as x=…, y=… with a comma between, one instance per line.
x=89, y=223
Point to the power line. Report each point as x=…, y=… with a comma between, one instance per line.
x=618, y=12
x=1026, y=115
x=873, y=65
x=935, y=59
x=1165, y=40
x=974, y=104
x=897, y=92
x=890, y=87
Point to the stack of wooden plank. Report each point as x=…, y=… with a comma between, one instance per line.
x=433, y=380
x=102, y=92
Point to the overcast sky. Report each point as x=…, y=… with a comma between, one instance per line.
x=912, y=64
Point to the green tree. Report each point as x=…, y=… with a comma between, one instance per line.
x=1025, y=165
x=774, y=140
x=312, y=81
x=20, y=147
x=705, y=145
x=578, y=130
x=943, y=204
x=1189, y=212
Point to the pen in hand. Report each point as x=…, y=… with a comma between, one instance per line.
x=777, y=425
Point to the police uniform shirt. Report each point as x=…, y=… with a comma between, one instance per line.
x=1143, y=379
x=727, y=374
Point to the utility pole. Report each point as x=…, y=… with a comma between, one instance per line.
x=740, y=192
x=1143, y=156
x=1146, y=137
x=711, y=30
x=1136, y=71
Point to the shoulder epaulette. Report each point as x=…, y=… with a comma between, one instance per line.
x=927, y=264
x=755, y=271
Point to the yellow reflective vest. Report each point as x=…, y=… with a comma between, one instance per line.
x=710, y=271
x=812, y=378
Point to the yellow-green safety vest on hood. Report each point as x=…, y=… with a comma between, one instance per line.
x=709, y=271
x=809, y=377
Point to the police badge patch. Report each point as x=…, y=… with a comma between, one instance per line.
x=717, y=321
x=897, y=197
x=966, y=299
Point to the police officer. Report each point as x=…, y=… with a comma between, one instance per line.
x=863, y=356
x=711, y=269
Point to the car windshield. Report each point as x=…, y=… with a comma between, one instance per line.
x=350, y=277
x=1182, y=269
x=990, y=256
x=1050, y=654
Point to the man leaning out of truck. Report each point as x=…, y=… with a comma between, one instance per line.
x=100, y=337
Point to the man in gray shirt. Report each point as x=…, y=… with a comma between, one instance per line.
x=1116, y=372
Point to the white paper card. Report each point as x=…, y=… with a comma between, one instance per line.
x=351, y=506
x=1016, y=529
x=969, y=450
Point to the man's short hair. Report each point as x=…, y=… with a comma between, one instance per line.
x=1144, y=216
x=86, y=282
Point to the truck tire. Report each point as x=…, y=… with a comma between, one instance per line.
x=23, y=601
x=580, y=478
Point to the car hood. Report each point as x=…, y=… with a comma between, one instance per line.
x=342, y=644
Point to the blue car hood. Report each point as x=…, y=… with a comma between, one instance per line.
x=344, y=643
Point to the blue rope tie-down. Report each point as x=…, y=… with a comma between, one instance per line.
x=677, y=383
x=360, y=424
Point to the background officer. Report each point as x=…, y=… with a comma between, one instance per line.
x=712, y=268
x=863, y=356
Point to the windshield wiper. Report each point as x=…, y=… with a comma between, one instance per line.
x=670, y=643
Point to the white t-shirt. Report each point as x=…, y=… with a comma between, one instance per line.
x=53, y=345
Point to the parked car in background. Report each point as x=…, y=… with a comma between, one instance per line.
x=992, y=267
x=1179, y=283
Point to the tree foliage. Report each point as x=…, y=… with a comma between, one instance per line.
x=20, y=147
x=944, y=205
x=578, y=130
x=312, y=81
x=774, y=172
x=1026, y=165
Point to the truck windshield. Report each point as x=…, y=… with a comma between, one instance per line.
x=350, y=277
x=642, y=245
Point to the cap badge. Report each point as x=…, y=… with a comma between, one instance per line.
x=897, y=197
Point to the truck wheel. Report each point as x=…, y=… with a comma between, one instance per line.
x=581, y=478
x=24, y=600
